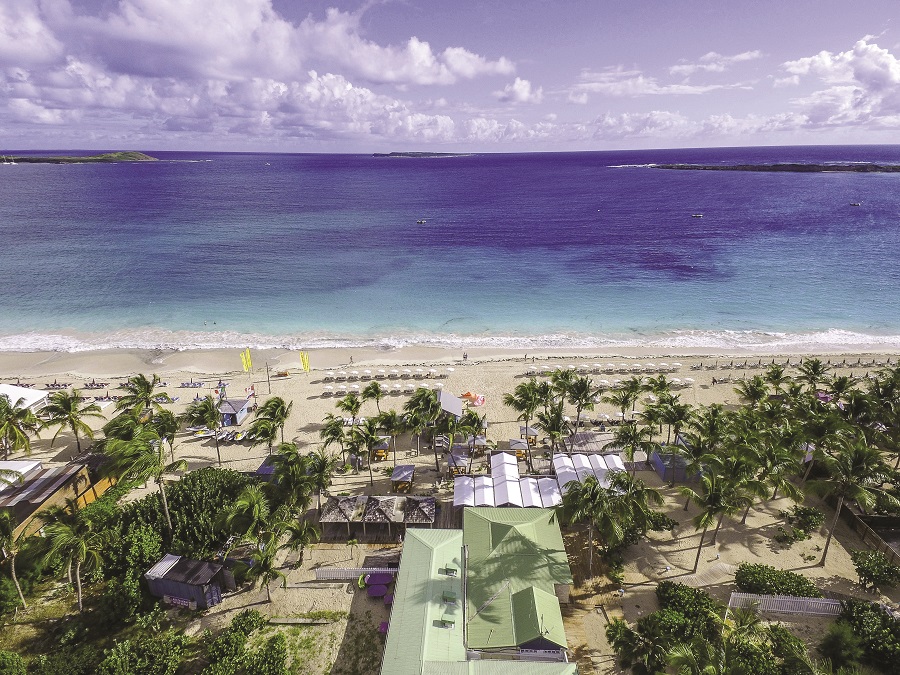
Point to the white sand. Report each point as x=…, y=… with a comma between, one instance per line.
x=488, y=374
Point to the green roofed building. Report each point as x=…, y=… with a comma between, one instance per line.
x=481, y=601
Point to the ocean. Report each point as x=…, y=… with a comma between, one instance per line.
x=592, y=249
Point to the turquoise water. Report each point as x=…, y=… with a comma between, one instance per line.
x=575, y=249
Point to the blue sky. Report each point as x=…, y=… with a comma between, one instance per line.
x=489, y=75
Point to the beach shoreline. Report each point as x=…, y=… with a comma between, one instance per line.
x=126, y=362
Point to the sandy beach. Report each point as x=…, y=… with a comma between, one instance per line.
x=663, y=555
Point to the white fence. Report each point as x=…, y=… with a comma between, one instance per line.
x=347, y=573
x=785, y=604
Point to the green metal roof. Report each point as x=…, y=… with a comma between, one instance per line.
x=420, y=630
x=511, y=550
x=536, y=615
x=497, y=667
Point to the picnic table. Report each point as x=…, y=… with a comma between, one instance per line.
x=377, y=591
x=379, y=579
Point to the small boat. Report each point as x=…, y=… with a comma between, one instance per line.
x=854, y=203
x=696, y=215
x=421, y=222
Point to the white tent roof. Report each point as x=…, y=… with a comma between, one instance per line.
x=518, y=444
x=21, y=467
x=484, y=491
x=531, y=493
x=464, y=491
x=582, y=466
x=499, y=459
x=601, y=471
x=507, y=492
x=550, y=494
x=32, y=397
x=450, y=403
x=614, y=462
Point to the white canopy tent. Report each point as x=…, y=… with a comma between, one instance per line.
x=33, y=399
x=565, y=471
x=484, y=491
x=464, y=491
x=550, y=494
x=507, y=492
x=614, y=462
x=531, y=493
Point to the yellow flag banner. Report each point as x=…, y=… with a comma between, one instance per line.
x=249, y=362
x=304, y=361
x=244, y=361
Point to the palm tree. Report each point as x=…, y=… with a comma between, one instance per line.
x=854, y=471
x=716, y=499
x=141, y=459
x=277, y=411
x=350, y=404
x=264, y=566
x=300, y=535
x=525, y=399
x=16, y=422
x=840, y=386
x=142, y=395
x=374, y=392
x=76, y=540
x=586, y=502
x=248, y=514
x=68, y=411
x=165, y=424
x=561, y=380
x=812, y=371
x=9, y=547
x=320, y=465
x=205, y=412
x=365, y=436
x=422, y=409
x=630, y=438
x=264, y=431
x=292, y=479
x=554, y=423
x=333, y=432
x=775, y=376
x=581, y=394
x=752, y=391
x=675, y=415
x=619, y=398
x=634, y=386
x=393, y=424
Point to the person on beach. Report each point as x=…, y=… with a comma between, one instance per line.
x=465, y=356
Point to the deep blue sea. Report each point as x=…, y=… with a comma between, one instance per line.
x=569, y=249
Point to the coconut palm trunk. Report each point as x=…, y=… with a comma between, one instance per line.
x=700, y=549
x=165, y=504
x=716, y=531
x=15, y=578
x=78, y=586
x=218, y=453
x=837, y=514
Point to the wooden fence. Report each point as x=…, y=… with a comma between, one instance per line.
x=348, y=573
x=785, y=604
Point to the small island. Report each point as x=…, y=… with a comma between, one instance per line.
x=795, y=168
x=420, y=155
x=106, y=157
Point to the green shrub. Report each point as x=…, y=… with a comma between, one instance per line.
x=841, y=646
x=158, y=654
x=229, y=649
x=766, y=580
x=874, y=569
x=270, y=659
x=660, y=522
x=878, y=632
x=697, y=606
x=71, y=660
x=120, y=601
x=11, y=663
x=802, y=521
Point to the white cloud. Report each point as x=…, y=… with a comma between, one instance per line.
x=520, y=91
x=862, y=87
x=616, y=81
x=25, y=40
x=713, y=62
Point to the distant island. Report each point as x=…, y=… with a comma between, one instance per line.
x=106, y=157
x=796, y=168
x=420, y=155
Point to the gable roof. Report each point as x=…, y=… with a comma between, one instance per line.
x=536, y=615
x=510, y=550
x=416, y=636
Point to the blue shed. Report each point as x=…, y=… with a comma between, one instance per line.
x=196, y=584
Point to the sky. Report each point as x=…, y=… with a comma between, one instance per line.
x=463, y=75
